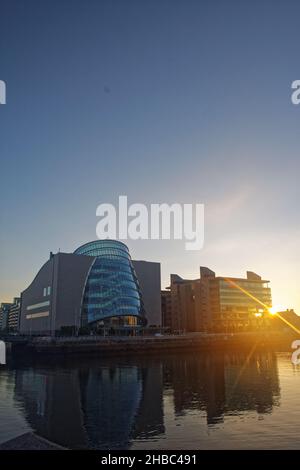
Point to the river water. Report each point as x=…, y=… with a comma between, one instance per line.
x=177, y=401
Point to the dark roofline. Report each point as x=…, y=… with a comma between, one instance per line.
x=245, y=279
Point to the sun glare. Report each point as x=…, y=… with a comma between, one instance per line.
x=276, y=309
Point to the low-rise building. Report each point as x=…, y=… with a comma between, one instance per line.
x=166, y=308
x=218, y=303
x=4, y=312
x=14, y=315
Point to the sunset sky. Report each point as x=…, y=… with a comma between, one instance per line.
x=162, y=101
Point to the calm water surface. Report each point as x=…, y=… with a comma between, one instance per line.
x=180, y=401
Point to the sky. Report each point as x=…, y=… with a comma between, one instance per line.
x=184, y=101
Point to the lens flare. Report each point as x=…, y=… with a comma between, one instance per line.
x=276, y=309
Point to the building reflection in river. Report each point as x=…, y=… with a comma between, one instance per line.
x=109, y=403
x=223, y=385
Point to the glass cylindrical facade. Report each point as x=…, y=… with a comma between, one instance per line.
x=112, y=290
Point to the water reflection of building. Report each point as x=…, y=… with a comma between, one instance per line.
x=110, y=404
x=251, y=382
x=150, y=418
x=52, y=404
x=110, y=398
x=100, y=406
x=198, y=383
x=221, y=384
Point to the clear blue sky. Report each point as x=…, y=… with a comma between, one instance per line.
x=163, y=101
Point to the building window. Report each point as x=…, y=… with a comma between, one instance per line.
x=46, y=291
x=39, y=305
x=31, y=316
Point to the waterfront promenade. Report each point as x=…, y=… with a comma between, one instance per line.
x=149, y=344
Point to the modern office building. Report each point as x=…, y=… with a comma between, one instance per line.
x=166, y=308
x=96, y=286
x=184, y=304
x=4, y=312
x=214, y=303
x=14, y=315
x=148, y=275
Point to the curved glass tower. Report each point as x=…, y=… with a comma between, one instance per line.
x=112, y=295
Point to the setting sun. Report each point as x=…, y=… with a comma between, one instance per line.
x=276, y=308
